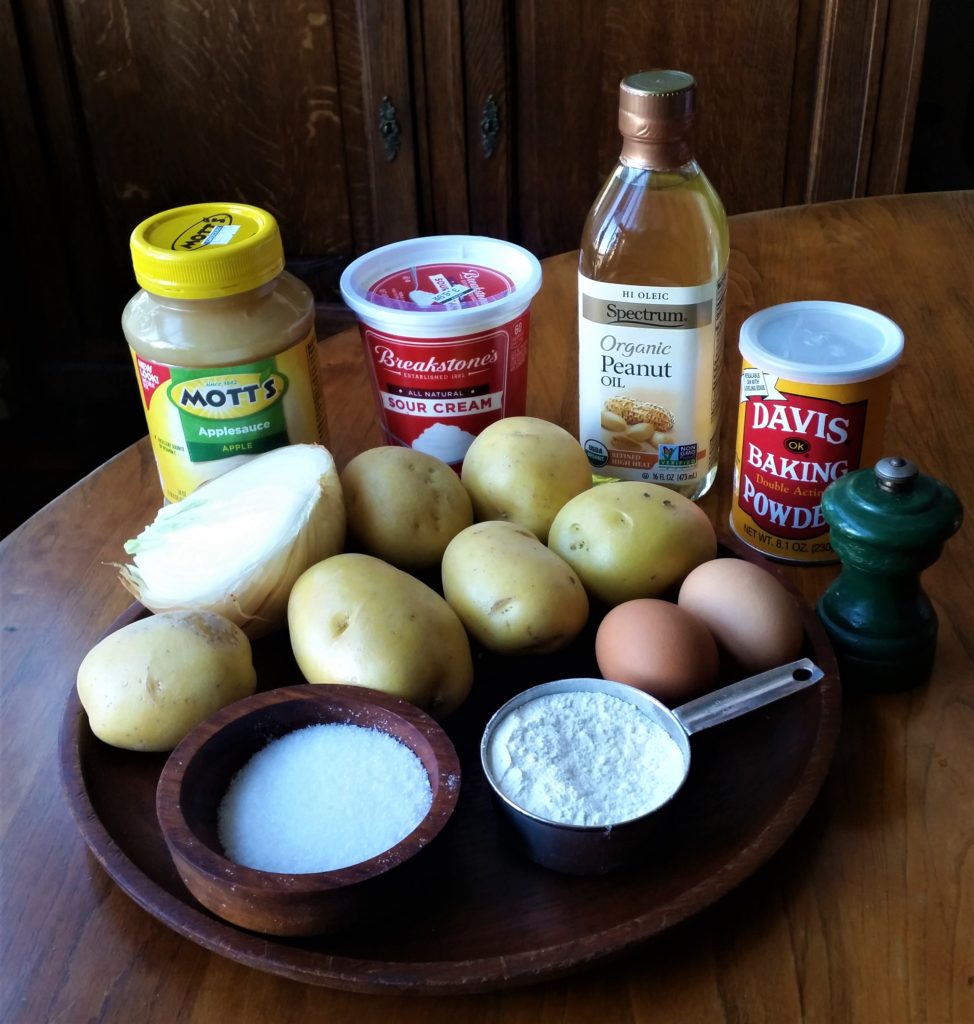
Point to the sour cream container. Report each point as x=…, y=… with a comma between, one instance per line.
x=444, y=324
x=815, y=383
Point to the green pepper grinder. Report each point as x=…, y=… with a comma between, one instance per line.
x=888, y=524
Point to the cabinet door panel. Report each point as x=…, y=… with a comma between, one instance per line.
x=441, y=119
x=870, y=60
x=378, y=113
x=562, y=110
x=223, y=100
x=460, y=53
x=488, y=117
x=574, y=56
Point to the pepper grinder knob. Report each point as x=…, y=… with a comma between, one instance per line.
x=888, y=523
x=895, y=475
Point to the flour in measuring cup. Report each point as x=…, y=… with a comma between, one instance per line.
x=584, y=758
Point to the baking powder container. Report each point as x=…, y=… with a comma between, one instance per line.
x=815, y=381
x=444, y=322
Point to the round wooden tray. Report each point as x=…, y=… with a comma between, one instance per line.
x=480, y=916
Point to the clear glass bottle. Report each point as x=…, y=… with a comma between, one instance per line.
x=651, y=293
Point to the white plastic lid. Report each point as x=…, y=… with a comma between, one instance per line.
x=514, y=273
x=821, y=342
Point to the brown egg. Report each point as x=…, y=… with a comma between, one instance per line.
x=657, y=647
x=754, y=619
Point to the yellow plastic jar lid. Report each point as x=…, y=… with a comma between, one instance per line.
x=207, y=250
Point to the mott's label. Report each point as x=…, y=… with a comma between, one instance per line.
x=793, y=440
x=649, y=379
x=204, y=421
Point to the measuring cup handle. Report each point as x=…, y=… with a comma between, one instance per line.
x=747, y=695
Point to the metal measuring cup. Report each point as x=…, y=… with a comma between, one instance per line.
x=598, y=849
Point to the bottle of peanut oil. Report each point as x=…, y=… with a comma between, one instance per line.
x=650, y=299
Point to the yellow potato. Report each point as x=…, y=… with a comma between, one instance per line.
x=404, y=506
x=522, y=470
x=147, y=684
x=358, y=620
x=628, y=540
x=512, y=593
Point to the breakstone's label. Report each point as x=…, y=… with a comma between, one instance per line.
x=649, y=379
x=793, y=440
x=202, y=421
x=436, y=395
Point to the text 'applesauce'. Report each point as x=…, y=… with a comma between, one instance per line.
x=815, y=381
x=223, y=342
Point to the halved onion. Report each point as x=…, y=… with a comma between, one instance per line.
x=236, y=545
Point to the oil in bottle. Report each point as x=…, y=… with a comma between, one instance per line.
x=651, y=282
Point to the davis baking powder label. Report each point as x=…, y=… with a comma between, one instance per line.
x=794, y=439
x=436, y=395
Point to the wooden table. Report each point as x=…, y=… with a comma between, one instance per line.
x=866, y=914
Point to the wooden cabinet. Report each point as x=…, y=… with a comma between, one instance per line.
x=799, y=102
x=358, y=122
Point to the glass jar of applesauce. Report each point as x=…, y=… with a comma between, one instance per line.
x=223, y=342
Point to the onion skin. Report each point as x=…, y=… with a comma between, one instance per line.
x=249, y=587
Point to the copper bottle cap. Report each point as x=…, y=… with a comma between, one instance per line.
x=655, y=117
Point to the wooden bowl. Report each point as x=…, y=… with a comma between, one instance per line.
x=198, y=773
